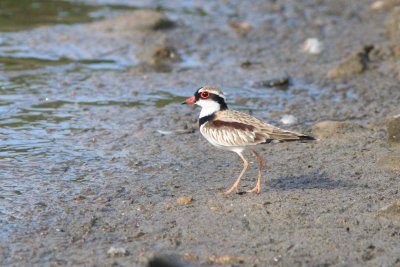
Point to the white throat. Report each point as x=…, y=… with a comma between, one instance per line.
x=207, y=107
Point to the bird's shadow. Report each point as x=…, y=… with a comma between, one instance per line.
x=314, y=180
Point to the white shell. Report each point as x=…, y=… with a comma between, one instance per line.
x=289, y=119
x=313, y=46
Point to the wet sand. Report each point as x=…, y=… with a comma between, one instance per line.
x=107, y=177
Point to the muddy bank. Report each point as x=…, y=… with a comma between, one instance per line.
x=103, y=166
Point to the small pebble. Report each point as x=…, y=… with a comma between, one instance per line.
x=241, y=28
x=178, y=131
x=227, y=259
x=116, y=252
x=184, y=200
x=384, y=5
x=313, y=46
x=289, y=119
x=378, y=5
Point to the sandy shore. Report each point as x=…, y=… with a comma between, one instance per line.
x=114, y=202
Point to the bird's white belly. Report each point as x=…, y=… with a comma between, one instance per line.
x=237, y=149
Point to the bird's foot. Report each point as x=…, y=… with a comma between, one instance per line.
x=234, y=187
x=256, y=190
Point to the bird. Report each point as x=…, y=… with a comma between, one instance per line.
x=236, y=131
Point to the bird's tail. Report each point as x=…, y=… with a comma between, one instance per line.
x=292, y=137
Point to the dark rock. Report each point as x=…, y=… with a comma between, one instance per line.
x=167, y=261
x=246, y=64
x=156, y=49
x=165, y=53
x=40, y=204
x=393, y=130
x=392, y=25
x=139, y=20
x=384, y=56
x=281, y=82
x=353, y=64
x=383, y=51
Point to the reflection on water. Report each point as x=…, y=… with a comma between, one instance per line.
x=16, y=15
x=26, y=63
x=27, y=112
x=41, y=110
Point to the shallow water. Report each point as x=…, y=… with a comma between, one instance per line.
x=28, y=14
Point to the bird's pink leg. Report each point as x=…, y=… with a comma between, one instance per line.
x=257, y=188
x=236, y=184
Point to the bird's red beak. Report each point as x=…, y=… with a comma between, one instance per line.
x=190, y=100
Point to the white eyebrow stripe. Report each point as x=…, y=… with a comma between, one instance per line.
x=213, y=92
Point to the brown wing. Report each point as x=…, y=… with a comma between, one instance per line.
x=259, y=131
x=228, y=133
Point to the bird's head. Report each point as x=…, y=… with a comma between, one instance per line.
x=209, y=98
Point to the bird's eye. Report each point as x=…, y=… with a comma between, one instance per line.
x=205, y=95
